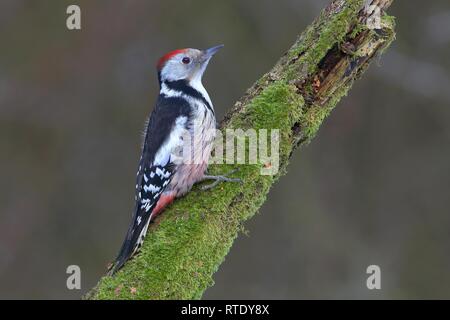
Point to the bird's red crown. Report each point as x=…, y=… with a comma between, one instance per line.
x=167, y=56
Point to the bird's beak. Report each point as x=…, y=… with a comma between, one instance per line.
x=208, y=53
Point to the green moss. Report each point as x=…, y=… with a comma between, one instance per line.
x=388, y=21
x=278, y=106
x=389, y=26
x=312, y=119
x=360, y=27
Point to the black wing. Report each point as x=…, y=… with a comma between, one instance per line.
x=152, y=176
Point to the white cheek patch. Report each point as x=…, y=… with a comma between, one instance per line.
x=174, y=69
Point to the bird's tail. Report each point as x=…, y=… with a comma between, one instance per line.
x=133, y=240
x=138, y=229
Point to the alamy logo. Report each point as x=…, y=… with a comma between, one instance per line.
x=74, y=280
x=234, y=146
x=374, y=280
x=73, y=21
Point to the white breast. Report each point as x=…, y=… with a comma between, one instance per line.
x=202, y=129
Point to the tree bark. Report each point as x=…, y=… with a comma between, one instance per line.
x=188, y=242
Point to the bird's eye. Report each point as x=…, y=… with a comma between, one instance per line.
x=186, y=60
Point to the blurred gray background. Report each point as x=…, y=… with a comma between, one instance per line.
x=372, y=188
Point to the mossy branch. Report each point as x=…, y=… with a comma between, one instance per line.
x=186, y=244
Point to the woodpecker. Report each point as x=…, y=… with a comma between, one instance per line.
x=182, y=105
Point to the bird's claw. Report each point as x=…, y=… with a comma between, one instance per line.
x=218, y=179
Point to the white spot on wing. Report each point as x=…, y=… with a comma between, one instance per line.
x=162, y=173
x=151, y=188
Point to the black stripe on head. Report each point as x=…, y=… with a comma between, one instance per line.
x=183, y=86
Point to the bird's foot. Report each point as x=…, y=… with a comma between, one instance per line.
x=218, y=179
